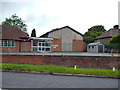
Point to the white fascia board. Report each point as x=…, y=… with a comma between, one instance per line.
x=37, y=38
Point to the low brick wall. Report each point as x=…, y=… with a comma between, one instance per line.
x=23, y=59
x=81, y=61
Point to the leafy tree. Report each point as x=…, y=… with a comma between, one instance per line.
x=93, y=32
x=115, y=39
x=33, y=34
x=114, y=42
x=15, y=20
x=113, y=45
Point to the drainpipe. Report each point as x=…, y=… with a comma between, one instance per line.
x=9, y=49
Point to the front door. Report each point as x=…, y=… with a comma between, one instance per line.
x=100, y=48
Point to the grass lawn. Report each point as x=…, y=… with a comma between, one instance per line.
x=59, y=69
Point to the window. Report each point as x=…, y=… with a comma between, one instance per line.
x=34, y=48
x=89, y=47
x=41, y=46
x=7, y=43
x=35, y=42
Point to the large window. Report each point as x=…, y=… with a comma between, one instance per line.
x=41, y=45
x=7, y=43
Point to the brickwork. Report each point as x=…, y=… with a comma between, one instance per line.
x=11, y=49
x=23, y=59
x=26, y=46
x=56, y=48
x=80, y=61
x=78, y=46
x=103, y=41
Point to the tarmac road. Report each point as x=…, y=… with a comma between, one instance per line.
x=26, y=80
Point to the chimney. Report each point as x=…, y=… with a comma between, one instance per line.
x=116, y=26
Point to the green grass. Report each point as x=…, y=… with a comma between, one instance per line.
x=58, y=69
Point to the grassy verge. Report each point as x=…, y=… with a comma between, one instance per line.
x=59, y=69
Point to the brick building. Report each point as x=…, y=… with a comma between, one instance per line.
x=66, y=39
x=105, y=37
x=13, y=39
x=62, y=39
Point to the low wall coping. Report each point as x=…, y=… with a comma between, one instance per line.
x=63, y=54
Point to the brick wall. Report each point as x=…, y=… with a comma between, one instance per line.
x=26, y=46
x=104, y=41
x=78, y=46
x=23, y=59
x=80, y=61
x=56, y=42
x=12, y=49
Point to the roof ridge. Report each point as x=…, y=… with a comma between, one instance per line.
x=60, y=29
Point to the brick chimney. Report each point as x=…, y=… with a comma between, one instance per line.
x=116, y=26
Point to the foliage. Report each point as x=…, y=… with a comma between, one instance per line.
x=93, y=32
x=115, y=39
x=114, y=42
x=15, y=20
x=113, y=45
x=33, y=34
x=58, y=69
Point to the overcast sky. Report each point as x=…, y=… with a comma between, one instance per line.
x=45, y=15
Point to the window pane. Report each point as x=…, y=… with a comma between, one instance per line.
x=13, y=43
x=5, y=43
x=43, y=49
x=39, y=44
x=34, y=48
x=47, y=49
x=39, y=48
x=43, y=44
x=35, y=43
x=47, y=44
x=9, y=43
x=0, y=43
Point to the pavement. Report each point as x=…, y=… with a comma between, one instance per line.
x=28, y=80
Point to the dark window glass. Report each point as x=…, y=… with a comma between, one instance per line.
x=43, y=44
x=34, y=48
x=39, y=48
x=47, y=49
x=35, y=43
x=5, y=43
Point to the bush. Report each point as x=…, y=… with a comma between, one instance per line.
x=113, y=45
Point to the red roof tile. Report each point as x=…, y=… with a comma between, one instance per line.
x=12, y=32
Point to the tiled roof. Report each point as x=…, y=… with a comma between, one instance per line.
x=12, y=32
x=46, y=34
x=109, y=34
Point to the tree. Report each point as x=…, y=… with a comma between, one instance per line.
x=115, y=39
x=15, y=20
x=113, y=45
x=33, y=34
x=114, y=42
x=93, y=32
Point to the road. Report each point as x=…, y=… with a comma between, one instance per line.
x=25, y=80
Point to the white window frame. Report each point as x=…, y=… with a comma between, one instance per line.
x=40, y=45
x=12, y=43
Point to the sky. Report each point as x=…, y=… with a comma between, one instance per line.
x=45, y=15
